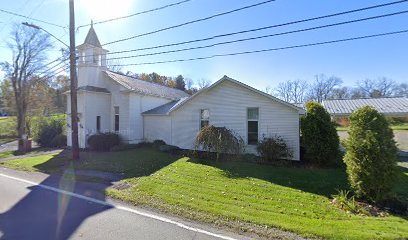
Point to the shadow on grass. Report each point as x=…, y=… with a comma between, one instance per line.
x=45, y=214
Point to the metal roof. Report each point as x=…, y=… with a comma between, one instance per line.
x=147, y=88
x=397, y=106
x=164, y=109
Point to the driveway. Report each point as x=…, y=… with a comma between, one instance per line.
x=401, y=136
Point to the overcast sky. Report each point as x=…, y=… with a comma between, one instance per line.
x=351, y=61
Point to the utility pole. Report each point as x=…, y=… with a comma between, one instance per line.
x=74, y=84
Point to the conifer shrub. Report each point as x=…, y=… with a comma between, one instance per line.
x=371, y=156
x=219, y=140
x=319, y=136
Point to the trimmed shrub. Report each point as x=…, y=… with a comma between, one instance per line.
x=219, y=140
x=319, y=136
x=274, y=148
x=158, y=143
x=371, y=156
x=59, y=141
x=46, y=129
x=103, y=141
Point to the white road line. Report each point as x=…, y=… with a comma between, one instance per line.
x=123, y=208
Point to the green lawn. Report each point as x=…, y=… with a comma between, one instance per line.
x=7, y=154
x=403, y=126
x=234, y=194
x=7, y=127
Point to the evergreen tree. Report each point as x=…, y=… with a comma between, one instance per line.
x=371, y=156
x=319, y=136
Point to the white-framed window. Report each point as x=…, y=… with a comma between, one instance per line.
x=204, y=118
x=253, y=131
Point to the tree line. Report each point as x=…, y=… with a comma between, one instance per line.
x=179, y=82
x=323, y=88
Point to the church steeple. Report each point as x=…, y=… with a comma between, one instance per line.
x=92, y=38
x=91, y=52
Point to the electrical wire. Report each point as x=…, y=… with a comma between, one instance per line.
x=261, y=37
x=190, y=22
x=33, y=19
x=136, y=14
x=268, y=50
x=261, y=28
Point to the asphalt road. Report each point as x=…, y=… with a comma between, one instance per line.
x=38, y=206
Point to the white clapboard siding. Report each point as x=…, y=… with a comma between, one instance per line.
x=228, y=103
x=157, y=128
x=138, y=104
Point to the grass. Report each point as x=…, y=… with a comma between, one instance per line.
x=7, y=127
x=235, y=194
x=403, y=126
x=7, y=154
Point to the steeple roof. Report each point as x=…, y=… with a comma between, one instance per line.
x=92, y=38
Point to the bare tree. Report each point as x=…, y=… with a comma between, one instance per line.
x=382, y=87
x=299, y=89
x=341, y=93
x=189, y=83
x=29, y=47
x=203, y=83
x=323, y=87
x=113, y=66
x=401, y=90
x=283, y=91
x=292, y=91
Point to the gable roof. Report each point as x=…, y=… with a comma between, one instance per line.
x=92, y=38
x=146, y=88
x=387, y=106
x=165, y=110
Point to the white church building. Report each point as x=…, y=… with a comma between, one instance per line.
x=139, y=110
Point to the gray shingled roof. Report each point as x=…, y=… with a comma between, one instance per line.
x=147, y=88
x=92, y=38
x=388, y=106
x=164, y=109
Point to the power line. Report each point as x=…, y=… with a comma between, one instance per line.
x=261, y=28
x=56, y=72
x=267, y=50
x=190, y=22
x=261, y=37
x=136, y=14
x=52, y=68
x=33, y=19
